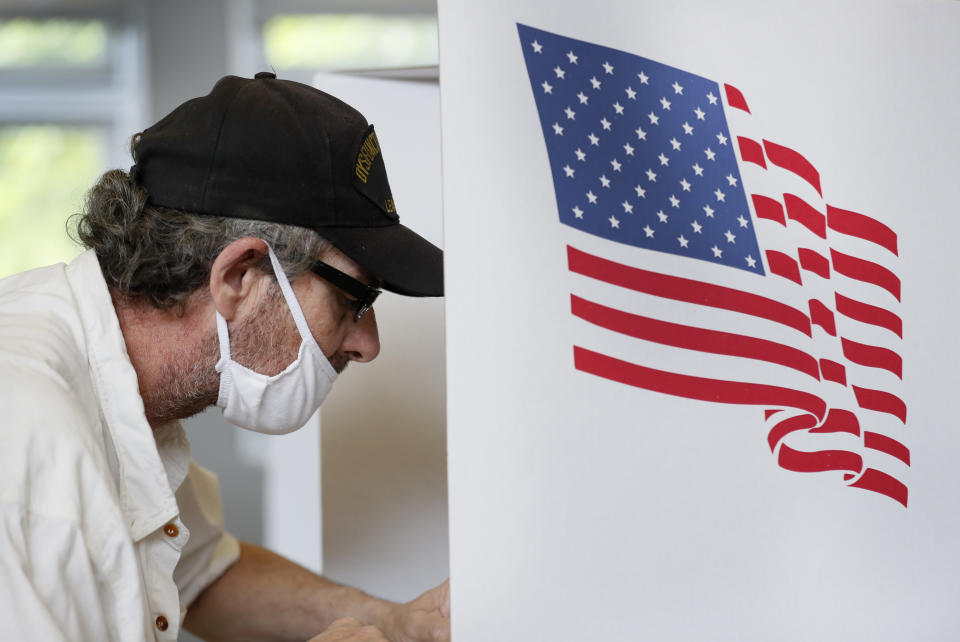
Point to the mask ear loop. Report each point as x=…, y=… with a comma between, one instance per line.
x=291, y=298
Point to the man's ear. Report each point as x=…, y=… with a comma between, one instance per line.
x=235, y=273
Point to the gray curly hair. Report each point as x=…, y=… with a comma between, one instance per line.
x=164, y=255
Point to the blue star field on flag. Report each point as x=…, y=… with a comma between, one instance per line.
x=640, y=151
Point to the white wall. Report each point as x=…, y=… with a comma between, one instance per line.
x=384, y=445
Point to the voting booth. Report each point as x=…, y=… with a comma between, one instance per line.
x=701, y=319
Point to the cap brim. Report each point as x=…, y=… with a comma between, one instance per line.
x=403, y=260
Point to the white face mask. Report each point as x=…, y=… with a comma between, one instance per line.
x=284, y=402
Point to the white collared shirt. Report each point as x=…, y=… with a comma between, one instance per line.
x=107, y=529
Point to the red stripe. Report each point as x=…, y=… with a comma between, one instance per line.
x=819, y=461
x=882, y=483
x=866, y=313
x=839, y=420
x=881, y=401
x=807, y=215
x=833, y=371
x=769, y=208
x=751, y=151
x=687, y=290
x=690, y=387
x=866, y=271
x=822, y=316
x=690, y=338
x=872, y=356
x=787, y=426
x=814, y=262
x=735, y=98
x=793, y=161
x=861, y=226
x=887, y=445
x=782, y=265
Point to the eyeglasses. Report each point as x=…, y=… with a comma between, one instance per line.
x=363, y=294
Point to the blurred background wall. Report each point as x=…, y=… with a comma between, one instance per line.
x=79, y=77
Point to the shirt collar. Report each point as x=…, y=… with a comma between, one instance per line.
x=146, y=486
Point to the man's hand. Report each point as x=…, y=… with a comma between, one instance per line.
x=349, y=630
x=425, y=619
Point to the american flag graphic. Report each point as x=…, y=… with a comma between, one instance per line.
x=714, y=268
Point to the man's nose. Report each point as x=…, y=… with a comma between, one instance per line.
x=362, y=341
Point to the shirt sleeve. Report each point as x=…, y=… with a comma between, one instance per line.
x=48, y=584
x=210, y=550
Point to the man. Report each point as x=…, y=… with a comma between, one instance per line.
x=234, y=265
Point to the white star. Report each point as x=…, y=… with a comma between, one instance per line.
x=712, y=98
x=648, y=231
x=547, y=87
x=608, y=68
x=642, y=193
x=581, y=156
x=687, y=129
x=674, y=201
x=651, y=176
x=675, y=143
x=643, y=78
x=665, y=103
x=722, y=138
x=710, y=153
x=577, y=212
x=732, y=180
x=642, y=135
x=696, y=227
x=752, y=262
x=592, y=197
x=627, y=207
x=617, y=107
x=605, y=123
x=558, y=129
x=708, y=210
x=572, y=57
x=677, y=87
x=700, y=113
x=593, y=139
x=595, y=82
x=717, y=252
x=743, y=222
x=628, y=148
x=560, y=72
x=604, y=180
x=731, y=238
x=570, y=113
x=583, y=98
x=537, y=47
x=654, y=119
x=663, y=159
x=663, y=217
x=685, y=185
x=683, y=241
x=720, y=196
x=568, y=170
x=614, y=222
x=616, y=165
x=697, y=169
x=631, y=94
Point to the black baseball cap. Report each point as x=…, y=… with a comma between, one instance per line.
x=281, y=151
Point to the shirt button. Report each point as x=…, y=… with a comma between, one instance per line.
x=162, y=623
x=170, y=530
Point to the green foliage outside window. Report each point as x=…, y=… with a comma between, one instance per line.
x=351, y=41
x=44, y=172
x=31, y=43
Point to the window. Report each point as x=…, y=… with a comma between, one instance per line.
x=44, y=171
x=67, y=107
x=346, y=41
